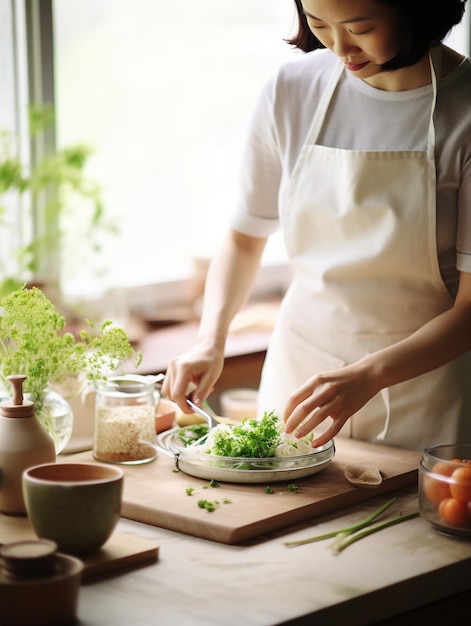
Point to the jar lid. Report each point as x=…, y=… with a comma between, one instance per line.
x=129, y=384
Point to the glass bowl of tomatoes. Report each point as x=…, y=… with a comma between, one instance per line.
x=445, y=488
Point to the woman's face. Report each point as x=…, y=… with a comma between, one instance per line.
x=362, y=33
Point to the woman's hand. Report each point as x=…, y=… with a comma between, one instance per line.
x=342, y=393
x=194, y=372
x=336, y=395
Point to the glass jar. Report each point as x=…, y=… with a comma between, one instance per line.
x=125, y=420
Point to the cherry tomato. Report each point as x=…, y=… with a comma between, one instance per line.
x=454, y=512
x=462, y=461
x=436, y=489
x=461, y=488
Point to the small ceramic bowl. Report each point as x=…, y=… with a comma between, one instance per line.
x=445, y=488
x=77, y=505
x=165, y=414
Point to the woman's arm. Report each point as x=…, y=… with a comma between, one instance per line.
x=231, y=275
x=341, y=393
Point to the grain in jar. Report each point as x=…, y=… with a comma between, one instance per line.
x=125, y=420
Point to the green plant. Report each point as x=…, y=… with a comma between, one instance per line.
x=44, y=195
x=33, y=342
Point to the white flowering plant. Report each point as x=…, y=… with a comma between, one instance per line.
x=34, y=342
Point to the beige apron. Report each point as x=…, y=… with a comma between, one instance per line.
x=360, y=232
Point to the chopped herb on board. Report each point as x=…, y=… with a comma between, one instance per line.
x=212, y=483
x=209, y=506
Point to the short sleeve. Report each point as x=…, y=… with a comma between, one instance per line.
x=256, y=208
x=463, y=243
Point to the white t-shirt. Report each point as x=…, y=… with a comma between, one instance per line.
x=360, y=117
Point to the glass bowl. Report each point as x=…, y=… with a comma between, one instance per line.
x=243, y=470
x=445, y=488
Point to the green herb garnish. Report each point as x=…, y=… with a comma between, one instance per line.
x=249, y=439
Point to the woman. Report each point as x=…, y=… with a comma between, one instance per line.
x=362, y=153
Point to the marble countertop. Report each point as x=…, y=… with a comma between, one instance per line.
x=264, y=583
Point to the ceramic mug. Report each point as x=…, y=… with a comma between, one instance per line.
x=77, y=505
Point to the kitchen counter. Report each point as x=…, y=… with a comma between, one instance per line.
x=400, y=575
x=406, y=574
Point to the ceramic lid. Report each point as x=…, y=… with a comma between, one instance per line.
x=28, y=559
x=17, y=406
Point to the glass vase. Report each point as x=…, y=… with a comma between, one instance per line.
x=56, y=417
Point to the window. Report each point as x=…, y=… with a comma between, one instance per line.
x=163, y=90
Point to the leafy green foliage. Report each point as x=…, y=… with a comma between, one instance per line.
x=40, y=117
x=11, y=174
x=250, y=439
x=33, y=342
x=57, y=186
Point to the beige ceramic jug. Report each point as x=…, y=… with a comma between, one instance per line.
x=23, y=443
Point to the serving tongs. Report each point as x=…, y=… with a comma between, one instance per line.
x=212, y=420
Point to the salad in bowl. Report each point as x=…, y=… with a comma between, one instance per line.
x=252, y=451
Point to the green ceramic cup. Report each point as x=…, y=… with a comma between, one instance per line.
x=77, y=505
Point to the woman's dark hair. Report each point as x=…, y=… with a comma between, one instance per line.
x=423, y=23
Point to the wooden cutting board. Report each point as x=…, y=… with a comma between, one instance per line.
x=122, y=552
x=155, y=494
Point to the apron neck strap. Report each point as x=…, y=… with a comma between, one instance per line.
x=435, y=59
x=324, y=103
